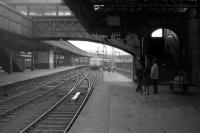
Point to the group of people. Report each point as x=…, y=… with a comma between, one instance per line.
x=147, y=74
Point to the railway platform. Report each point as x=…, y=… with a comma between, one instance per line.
x=115, y=107
x=6, y=78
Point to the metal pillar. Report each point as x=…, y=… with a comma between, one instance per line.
x=10, y=61
x=55, y=59
x=65, y=60
x=134, y=67
x=142, y=42
x=33, y=60
x=141, y=47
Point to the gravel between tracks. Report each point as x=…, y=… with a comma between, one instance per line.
x=15, y=124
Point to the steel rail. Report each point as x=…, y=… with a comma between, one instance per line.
x=35, y=98
x=32, y=100
x=90, y=88
x=34, y=123
x=35, y=88
x=27, y=83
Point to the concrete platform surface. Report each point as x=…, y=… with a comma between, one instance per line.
x=115, y=107
x=115, y=77
x=6, y=78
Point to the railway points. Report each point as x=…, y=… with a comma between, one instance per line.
x=53, y=81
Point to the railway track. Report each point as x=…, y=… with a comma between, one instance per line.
x=16, y=88
x=61, y=116
x=18, y=119
x=15, y=103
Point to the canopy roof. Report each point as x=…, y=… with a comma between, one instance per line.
x=67, y=46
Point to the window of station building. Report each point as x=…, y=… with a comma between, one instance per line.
x=50, y=10
x=22, y=9
x=64, y=11
x=36, y=10
x=157, y=33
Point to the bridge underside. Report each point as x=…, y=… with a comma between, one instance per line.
x=56, y=28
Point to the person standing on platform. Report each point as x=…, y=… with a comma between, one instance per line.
x=146, y=75
x=139, y=74
x=154, y=75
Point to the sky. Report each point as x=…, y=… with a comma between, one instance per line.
x=93, y=47
x=157, y=33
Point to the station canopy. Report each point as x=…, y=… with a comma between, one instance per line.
x=68, y=46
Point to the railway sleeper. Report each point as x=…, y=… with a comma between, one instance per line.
x=61, y=115
x=47, y=131
x=66, y=110
x=69, y=105
x=52, y=127
x=66, y=116
x=3, y=110
x=55, y=122
x=5, y=94
x=62, y=92
x=58, y=119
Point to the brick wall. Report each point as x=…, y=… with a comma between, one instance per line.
x=194, y=44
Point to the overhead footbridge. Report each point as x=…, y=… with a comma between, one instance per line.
x=19, y=50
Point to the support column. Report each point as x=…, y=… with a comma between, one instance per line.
x=55, y=59
x=10, y=60
x=141, y=50
x=65, y=60
x=58, y=60
x=142, y=46
x=86, y=60
x=134, y=67
x=193, y=42
x=33, y=60
x=82, y=60
x=79, y=60
x=72, y=60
